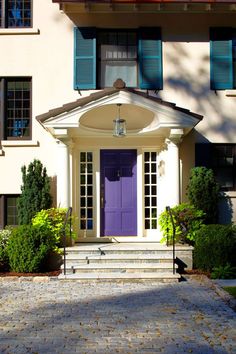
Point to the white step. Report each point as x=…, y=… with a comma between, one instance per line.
x=117, y=258
x=160, y=277
x=120, y=268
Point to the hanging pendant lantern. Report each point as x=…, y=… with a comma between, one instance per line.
x=119, y=127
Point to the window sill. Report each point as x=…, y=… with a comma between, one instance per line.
x=230, y=93
x=230, y=194
x=18, y=31
x=16, y=143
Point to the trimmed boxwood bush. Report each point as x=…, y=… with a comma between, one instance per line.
x=28, y=247
x=215, y=246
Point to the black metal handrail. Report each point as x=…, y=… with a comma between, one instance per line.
x=168, y=210
x=68, y=217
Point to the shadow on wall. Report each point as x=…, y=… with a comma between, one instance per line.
x=225, y=209
x=188, y=77
x=187, y=156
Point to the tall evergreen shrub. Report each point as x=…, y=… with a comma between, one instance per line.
x=35, y=192
x=204, y=193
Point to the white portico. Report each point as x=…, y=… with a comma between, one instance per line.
x=118, y=186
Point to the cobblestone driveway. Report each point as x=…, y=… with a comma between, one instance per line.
x=71, y=317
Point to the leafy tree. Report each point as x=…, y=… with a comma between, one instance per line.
x=35, y=192
x=204, y=193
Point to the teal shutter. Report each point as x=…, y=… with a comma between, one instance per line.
x=221, y=58
x=85, y=58
x=150, y=58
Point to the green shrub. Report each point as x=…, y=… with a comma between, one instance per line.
x=187, y=219
x=203, y=192
x=53, y=220
x=215, y=246
x=28, y=247
x=4, y=238
x=224, y=272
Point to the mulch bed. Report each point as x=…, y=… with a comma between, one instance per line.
x=54, y=273
x=196, y=272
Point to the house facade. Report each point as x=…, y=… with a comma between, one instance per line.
x=119, y=100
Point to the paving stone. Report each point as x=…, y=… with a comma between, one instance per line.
x=69, y=317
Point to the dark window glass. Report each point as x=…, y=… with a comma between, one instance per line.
x=17, y=108
x=83, y=224
x=90, y=179
x=224, y=165
x=83, y=156
x=147, y=179
x=147, y=224
x=8, y=210
x=89, y=224
x=11, y=210
x=90, y=213
x=222, y=159
x=82, y=213
x=18, y=13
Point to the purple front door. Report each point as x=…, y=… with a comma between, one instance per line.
x=118, y=193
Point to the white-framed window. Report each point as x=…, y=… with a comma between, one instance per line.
x=86, y=182
x=150, y=190
x=15, y=13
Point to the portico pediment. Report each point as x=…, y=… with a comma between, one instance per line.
x=94, y=114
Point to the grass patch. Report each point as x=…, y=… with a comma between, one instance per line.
x=231, y=290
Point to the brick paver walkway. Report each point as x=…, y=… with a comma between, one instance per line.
x=72, y=317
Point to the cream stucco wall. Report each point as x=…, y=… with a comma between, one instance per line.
x=46, y=54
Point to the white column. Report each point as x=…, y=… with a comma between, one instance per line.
x=63, y=175
x=173, y=173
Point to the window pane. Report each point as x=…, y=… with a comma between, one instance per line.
x=146, y=156
x=82, y=213
x=18, y=108
x=86, y=190
x=11, y=210
x=223, y=160
x=154, y=156
x=118, y=58
x=150, y=190
x=90, y=213
x=90, y=179
x=82, y=191
x=18, y=13
x=146, y=179
x=90, y=224
x=83, y=157
x=89, y=156
x=125, y=70
x=83, y=224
